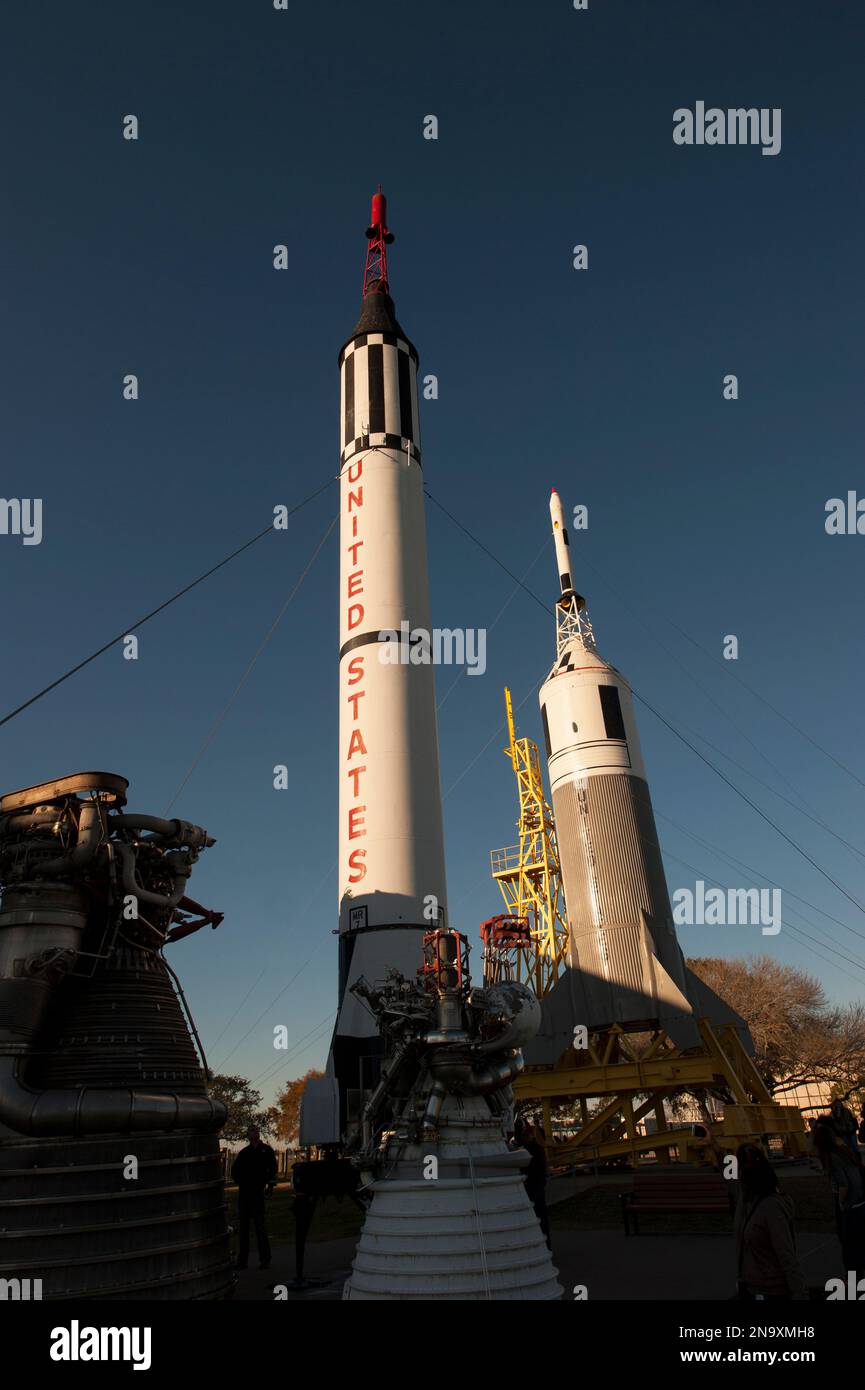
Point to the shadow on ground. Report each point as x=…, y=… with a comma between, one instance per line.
x=675, y=1258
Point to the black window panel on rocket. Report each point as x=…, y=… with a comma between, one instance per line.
x=406, y=427
x=546, y=731
x=349, y=399
x=375, y=367
x=614, y=724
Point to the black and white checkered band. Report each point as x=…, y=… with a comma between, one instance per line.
x=568, y=661
x=393, y=339
x=379, y=441
x=378, y=389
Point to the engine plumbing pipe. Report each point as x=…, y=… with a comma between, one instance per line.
x=179, y=867
x=463, y=1079
x=95, y=1111
x=91, y=833
x=182, y=831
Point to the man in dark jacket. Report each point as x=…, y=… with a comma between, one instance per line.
x=254, y=1171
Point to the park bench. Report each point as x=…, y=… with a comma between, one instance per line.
x=675, y=1191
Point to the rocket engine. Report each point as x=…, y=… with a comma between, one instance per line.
x=109, y=1158
x=449, y=1217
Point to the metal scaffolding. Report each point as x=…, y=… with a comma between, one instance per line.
x=530, y=881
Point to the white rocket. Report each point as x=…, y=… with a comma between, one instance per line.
x=391, y=844
x=625, y=962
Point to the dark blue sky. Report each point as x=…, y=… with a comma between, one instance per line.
x=260, y=127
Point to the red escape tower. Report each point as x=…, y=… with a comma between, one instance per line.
x=380, y=237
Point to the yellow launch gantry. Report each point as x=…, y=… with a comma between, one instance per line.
x=529, y=878
x=620, y=1077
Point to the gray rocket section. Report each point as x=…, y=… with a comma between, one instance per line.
x=624, y=962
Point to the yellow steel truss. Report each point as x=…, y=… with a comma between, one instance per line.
x=629, y=1080
x=528, y=873
x=626, y=1076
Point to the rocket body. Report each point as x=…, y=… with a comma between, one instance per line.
x=625, y=961
x=391, y=844
x=622, y=938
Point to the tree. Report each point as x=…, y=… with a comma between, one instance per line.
x=288, y=1108
x=244, y=1106
x=798, y=1036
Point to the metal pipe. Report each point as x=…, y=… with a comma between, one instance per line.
x=380, y=1092
x=93, y=1111
x=498, y=1074
x=433, y=1110
x=469, y=1080
x=15, y=825
x=182, y=831
x=176, y=863
x=165, y=829
x=90, y=836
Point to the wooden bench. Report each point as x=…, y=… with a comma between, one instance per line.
x=671, y=1191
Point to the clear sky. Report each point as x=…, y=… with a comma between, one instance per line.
x=706, y=516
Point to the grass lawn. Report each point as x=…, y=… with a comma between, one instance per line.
x=333, y=1219
x=596, y=1209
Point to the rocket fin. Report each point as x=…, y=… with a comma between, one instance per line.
x=582, y=996
x=707, y=1004
x=319, y=1111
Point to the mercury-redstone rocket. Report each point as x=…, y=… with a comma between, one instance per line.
x=391, y=844
x=625, y=965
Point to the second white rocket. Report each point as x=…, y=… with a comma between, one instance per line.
x=625, y=965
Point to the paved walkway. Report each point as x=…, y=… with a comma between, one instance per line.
x=327, y=1266
x=670, y=1267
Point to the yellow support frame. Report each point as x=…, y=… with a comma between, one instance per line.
x=528, y=873
x=634, y=1082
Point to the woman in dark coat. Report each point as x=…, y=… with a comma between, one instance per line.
x=768, y=1265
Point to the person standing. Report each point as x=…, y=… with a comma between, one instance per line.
x=843, y=1122
x=535, y=1180
x=848, y=1185
x=768, y=1265
x=254, y=1170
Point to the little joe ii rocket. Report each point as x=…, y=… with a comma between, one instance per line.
x=391, y=844
x=624, y=962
